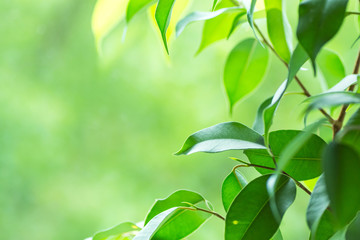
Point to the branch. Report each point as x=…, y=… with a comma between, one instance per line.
x=194, y=208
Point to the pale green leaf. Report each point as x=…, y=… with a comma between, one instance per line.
x=135, y=6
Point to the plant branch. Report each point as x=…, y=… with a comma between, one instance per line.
x=194, y=208
x=340, y=121
x=301, y=85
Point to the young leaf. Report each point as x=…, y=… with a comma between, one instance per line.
x=182, y=222
x=118, y=231
x=332, y=99
x=276, y=20
x=231, y=187
x=244, y=69
x=331, y=67
x=135, y=6
x=214, y=5
x=304, y=162
x=342, y=178
x=319, y=201
x=201, y=16
x=217, y=28
x=259, y=119
x=353, y=231
x=162, y=16
x=319, y=21
x=250, y=217
x=250, y=6
x=350, y=134
x=222, y=137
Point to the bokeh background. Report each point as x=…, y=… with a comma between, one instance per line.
x=87, y=141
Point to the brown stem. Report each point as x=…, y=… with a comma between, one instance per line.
x=194, y=208
x=339, y=122
x=301, y=85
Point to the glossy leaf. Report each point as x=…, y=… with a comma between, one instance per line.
x=250, y=216
x=245, y=67
x=298, y=58
x=350, y=134
x=344, y=83
x=217, y=28
x=259, y=119
x=135, y=6
x=276, y=20
x=353, y=231
x=119, y=231
x=222, y=137
x=231, y=187
x=250, y=7
x=214, y=5
x=304, y=162
x=242, y=18
x=182, y=222
x=342, y=178
x=319, y=201
x=162, y=16
x=319, y=21
x=201, y=16
x=331, y=67
x=325, y=227
x=332, y=99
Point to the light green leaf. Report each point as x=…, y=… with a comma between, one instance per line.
x=240, y=19
x=222, y=137
x=218, y=28
x=201, y=16
x=276, y=20
x=122, y=230
x=353, y=231
x=350, y=134
x=332, y=99
x=277, y=236
x=298, y=58
x=181, y=222
x=344, y=83
x=342, y=178
x=214, y=5
x=162, y=16
x=250, y=6
x=135, y=6
x=250, y=217
x=245, y=67
x=259, y=119
x=319, y=21
x=331, y=67
x=319, y=201
x=231, y=187
x=298, y=153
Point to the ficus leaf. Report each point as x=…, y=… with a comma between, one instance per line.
x=231, y=187
x=259, y=119
x=244, y=69
x=332, y=99
x=276, y=25
x=342, y=178
x=331, y=67
x=325, y=227
x=250, y=7
x=250, y=216
x=222, y=137
x=162, y=16
x=344, y=83
x=350, y=134
x=353, y=231
x=135, y=6
x=119, y=231
x=319, y=21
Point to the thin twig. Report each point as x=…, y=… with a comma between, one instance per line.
x=194, y=208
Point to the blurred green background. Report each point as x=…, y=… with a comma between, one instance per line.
x=87, y=142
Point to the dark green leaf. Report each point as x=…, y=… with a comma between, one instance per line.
x=201, y=16
x=332, y=99
x=276, y=25
x=244, y=69
x=231, y=187
x=342, y=178
x=222, y=137
x=319, y=201
x=162, y=16
x=325, y=227
x=353, y=231
x=119, y=231
x=304, y=162
x=259, y=120
x=135, y=6
x=331, y=67
x=350, y=134
x=250, y=216
x=319, y=21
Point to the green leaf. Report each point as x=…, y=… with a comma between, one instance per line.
x=319, y=21
x=350, y=135
x=276, y=20
x=119, y=231
x=214, y=5
x=201, y=16
x=245, y=67
x=259, y=119
x=222, y=137
x=331, y=67
x=344, y=83
x=325, y=227
x=353, y=231
x=304, y=161
x=181, y=222
x=162, y=16
x=332, y=99
x=319, y=201
x=218, y=28
x=250, y=6
x=135, y=6
x=240, y=18
x=298, y=58
x=342, y=178
x=231, y=187
x=250, y=216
